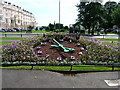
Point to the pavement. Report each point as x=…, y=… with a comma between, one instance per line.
x=47, y=79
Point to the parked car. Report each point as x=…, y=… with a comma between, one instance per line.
x=0, y=29
x=9, y=30
x=18, y=30
x=4, y=30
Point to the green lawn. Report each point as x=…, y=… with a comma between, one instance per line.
x=59, y=68
x=2, y=43
x=39, y=31
x=112, y=33
x=14, y=32
x=12, y=38
x=114, y=44
x=104, y=39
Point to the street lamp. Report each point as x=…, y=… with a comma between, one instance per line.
x=59, y=11
x=59, y=14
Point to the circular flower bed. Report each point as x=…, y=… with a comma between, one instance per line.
x=38, y=49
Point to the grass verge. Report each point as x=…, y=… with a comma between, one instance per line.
x=39, y=31
x=113, y=44
x=12, y=38
x=3, y=43
x=59, y=68
x=104, y=39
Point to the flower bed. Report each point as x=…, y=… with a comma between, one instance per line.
x=95, y=51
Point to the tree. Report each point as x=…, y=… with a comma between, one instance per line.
x=109, y=8
x=90, y=15
x=30, y=27
x=51, y=27
x=36, y=28
x=116, y=16
x=66, y=27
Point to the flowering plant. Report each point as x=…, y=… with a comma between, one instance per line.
x=95, y=51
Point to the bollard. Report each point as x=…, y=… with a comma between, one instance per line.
x=5, y=35
x=112, y=67
x=31, y=67
x=70, y=67
x=21, y=35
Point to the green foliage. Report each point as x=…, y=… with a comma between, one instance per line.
x=90, y=15
x=109, y=8
x=93, y=15
x=51, y=27
x=30, y=27
x=116, y=16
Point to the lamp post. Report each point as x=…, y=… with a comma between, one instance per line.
x=59, y=14
x=59, y=11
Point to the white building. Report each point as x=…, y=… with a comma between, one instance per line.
x=1, y=13
x=12, y=16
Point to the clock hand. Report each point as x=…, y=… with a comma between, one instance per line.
x=54, y=46
x=71, y=49
x=60, y=45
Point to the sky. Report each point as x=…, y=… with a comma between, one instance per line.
x=47, y=11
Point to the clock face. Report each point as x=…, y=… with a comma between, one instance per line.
x=51, y=50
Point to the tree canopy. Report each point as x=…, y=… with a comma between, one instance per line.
x=93, y=15
x=116, y=16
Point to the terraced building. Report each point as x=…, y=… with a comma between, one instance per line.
x=13, y=16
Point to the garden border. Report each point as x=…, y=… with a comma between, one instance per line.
x=71, y=66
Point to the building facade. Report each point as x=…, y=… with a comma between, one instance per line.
x=12, y=16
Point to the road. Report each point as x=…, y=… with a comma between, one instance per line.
x=35, y=34
x=47, y=79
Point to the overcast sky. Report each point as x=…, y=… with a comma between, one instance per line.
x=47, y=11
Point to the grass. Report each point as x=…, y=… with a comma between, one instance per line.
x=2, y=43
x=110, y=44
x=58, y=68
x=14, y=32
x=39, y=31
x=112, y=33
x=12, y=38
x=104, y=39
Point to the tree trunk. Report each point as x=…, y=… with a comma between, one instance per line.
x=89, y=31
x=93, y=30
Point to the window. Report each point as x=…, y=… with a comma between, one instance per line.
x=6, y=20
x=0, y=17
x=0, y=11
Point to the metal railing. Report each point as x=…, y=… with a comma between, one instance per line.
x=70, y=65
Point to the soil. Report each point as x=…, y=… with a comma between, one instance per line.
x=55, y=52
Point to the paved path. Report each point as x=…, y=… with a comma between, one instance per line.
x=47, y=79
x=35, y=34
